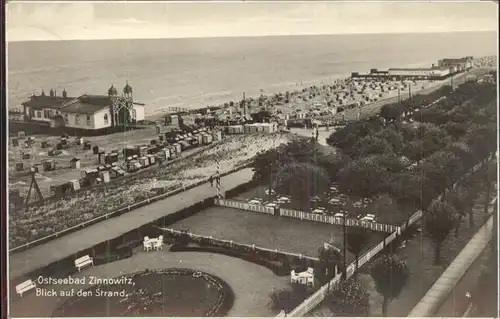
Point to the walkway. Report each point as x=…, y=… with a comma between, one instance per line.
x=432, y=300
x=39, y=256
x=250, y=282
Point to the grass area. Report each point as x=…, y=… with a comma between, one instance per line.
x=169, y=292
x=40, y=221
x=267, y=231
x=419, y=254
x=387, y=211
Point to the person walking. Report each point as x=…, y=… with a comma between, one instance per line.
x=211, y=181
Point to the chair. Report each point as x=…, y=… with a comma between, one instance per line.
x=148, y=245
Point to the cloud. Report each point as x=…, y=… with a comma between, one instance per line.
x=31, y=21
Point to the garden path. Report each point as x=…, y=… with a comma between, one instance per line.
x=250, y=282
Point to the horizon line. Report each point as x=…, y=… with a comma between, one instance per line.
x=250, y=36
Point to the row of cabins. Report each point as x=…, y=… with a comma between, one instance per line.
x=252, y=128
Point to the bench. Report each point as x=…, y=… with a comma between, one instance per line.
x=25, y=286
x=83, y=261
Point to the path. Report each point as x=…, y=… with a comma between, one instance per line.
x=429, y=304
x=39, y=256
x=250, y=282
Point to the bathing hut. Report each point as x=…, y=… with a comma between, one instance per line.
x=75, y=163
x=49, y=165
x=86, y=146
x=79, y=140
x=20, y=166
x=95, y=149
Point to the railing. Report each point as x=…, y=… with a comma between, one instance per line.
x=118, y=212
x=244, y=206
x=337, y=220
x=233, y=244
x=307, y=216
x=315, y=299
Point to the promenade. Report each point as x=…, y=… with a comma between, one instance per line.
x=433, y=299
x=42, y=255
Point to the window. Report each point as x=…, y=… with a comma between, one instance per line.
x=66, y=120
x=88, y=120
x=106, y=119
x=46, y=114
x=39, y=114
x=77, y=119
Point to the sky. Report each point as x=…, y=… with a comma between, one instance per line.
x=30, y=21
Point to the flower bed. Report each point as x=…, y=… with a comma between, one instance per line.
x=167, y=293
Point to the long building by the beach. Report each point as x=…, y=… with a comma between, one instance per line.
x=444, y=68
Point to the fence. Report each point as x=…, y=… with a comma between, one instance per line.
x=307, y=216
x=244, y=206
x=315, y=299
x=117, y=212
x=337, y=220
x=233, y=244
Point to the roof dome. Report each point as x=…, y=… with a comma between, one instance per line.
x=127, y=88
x=112, y=91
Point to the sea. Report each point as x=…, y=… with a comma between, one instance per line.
x=199, y=72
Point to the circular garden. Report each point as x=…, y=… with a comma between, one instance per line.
x=169, y=292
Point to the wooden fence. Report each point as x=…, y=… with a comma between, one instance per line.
x=232, y=244
x=244, y=206
x=306, y=216
x=350, y=222
x=315, y=299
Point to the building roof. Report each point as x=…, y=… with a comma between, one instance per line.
x=87, y=104
x=44, y=101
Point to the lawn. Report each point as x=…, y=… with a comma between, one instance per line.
x=267, y=231
x=386, y=212
x=170, y=292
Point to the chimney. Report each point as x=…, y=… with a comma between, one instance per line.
x=64, y=94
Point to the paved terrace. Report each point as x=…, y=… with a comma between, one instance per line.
x=39, y=256
x=250, y=282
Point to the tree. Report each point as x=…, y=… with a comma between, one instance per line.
x=490, y=176
x=406, y=188
x=460, y=199
x=390, y=274
x=345, y=138
x=349, y=298
x=302, y=181
x=393, y=137
x=392, y=112
x=363, y=178
x=440, y=219
x=288, y=299
x=357, y=239
x=369, y=145
x=329, y=258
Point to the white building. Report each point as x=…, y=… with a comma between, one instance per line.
x=419, y=72
x=87, y=112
